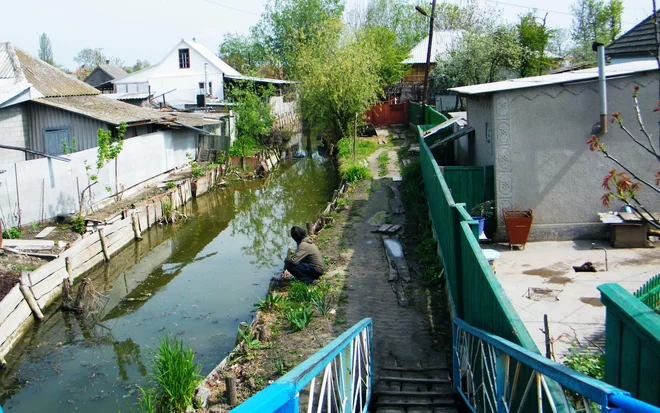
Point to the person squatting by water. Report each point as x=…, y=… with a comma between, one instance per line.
x=306, y=264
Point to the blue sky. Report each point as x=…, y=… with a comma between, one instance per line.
x=147, y=29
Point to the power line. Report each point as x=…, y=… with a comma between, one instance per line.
x=522, y=6
x=232, y=8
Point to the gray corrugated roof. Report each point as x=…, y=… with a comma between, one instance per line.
x=114, y=112
x=636, y=42
x=49, y=80
x=114, y=71
x=443, y=42
x=622, y=69
x=6, y=65
x=103, y=108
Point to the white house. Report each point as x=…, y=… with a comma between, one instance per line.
x=188, y=70
x=534, y=132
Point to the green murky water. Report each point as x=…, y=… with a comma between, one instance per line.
x=195, y=280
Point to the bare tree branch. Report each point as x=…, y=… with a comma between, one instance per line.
x=641, y=125
x=632, y=174
x=631, y=136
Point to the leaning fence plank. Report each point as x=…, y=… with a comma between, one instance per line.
x=10, y=302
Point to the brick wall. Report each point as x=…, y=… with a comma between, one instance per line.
x=13, y=131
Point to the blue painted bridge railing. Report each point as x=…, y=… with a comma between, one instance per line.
x=492, y=374
x=338, y=378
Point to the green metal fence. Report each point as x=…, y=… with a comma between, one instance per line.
x=431, y=116
x=632, y=340
x=478, y=298
x=649, y=293
x=475, y=294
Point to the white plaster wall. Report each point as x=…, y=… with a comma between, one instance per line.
x=48, y=187
x=479, y=113
x=167, y=76
x=544, y=163
x=13, y=131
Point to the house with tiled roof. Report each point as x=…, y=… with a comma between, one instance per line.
x=638, y=43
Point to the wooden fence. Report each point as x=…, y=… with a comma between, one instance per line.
x=41, y=287
x=388, y=113
x=632, y=340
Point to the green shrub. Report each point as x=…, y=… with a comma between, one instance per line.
x=79, y=224
x=11, y=233
x=321, y=301
x=245, y=334
x=170, y=185
x=353, y=172
x=299, y=316
x=176, y=375
x=167, y=208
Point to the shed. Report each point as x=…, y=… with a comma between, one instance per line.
x=534, y=131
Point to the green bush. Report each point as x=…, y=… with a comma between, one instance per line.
x=79, y=224
x=11, y=233
x=176, y=375
x=272, y=300
x=353, y=172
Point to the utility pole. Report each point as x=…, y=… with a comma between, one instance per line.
x=428, y=58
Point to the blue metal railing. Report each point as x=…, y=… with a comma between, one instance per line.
x=345, y=371
x=490, y=373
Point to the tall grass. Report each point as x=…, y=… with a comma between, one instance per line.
x=175, y=376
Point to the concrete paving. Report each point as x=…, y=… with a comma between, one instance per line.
x=570, y=299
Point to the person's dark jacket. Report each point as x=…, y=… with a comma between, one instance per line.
x=309, y=253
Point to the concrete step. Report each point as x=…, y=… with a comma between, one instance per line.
x=414, y=390
x=416, y=380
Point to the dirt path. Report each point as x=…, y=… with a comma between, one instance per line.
x=403, y=336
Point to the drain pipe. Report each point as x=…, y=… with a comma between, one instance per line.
x=600, y=48
x=594, y=247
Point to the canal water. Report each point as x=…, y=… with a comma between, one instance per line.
x=195, y=280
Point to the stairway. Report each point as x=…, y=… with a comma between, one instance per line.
x=414, y=390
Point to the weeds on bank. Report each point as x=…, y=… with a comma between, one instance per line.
x=174, y=377
x=587, y=362
x=354, y=169
x=383, y=160
x=419, y=223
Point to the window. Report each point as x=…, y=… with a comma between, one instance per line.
x=56, y=140
x=184, y=58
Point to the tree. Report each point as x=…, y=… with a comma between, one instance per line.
x=533, y=36
x=242, y=53
x=338, y=81
x=109, y=148
x=254, y=119
x=139, y=65
x=398, y=16
x=45, y=49
x=383, y=41
x=479, y=58
x=624, y=185
x=594, y=21
x=287, y=26
x=89, y=58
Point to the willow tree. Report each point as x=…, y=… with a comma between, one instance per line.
x=338, y=81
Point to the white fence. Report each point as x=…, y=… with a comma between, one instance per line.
x=43, y=188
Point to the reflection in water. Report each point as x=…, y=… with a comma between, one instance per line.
x=196, y=281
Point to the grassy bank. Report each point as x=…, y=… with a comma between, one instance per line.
x=354, y=170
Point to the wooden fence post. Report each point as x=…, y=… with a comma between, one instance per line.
x=136, y=227
x=103, y=245
x=230, y=393
x=67, y=264
x=29, y=297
